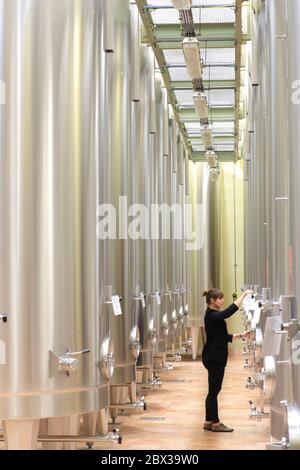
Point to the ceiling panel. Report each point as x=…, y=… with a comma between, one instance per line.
x=213, y=15
x=219, y=56
x=165, y=16
x=209, y=73
x=214, y=97
x=212, y=56
x=218, y=73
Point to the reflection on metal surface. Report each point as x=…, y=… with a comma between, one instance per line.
x=51, y=269
x=107, y=360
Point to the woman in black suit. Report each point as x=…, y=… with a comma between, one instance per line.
x=215, y=352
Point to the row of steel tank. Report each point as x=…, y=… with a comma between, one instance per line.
x=90, y=302
x=272, y=224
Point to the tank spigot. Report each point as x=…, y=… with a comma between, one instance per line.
x=67, y=363
x=254, y=413
x=153, y=336
x=290, y=329
x=250, y=384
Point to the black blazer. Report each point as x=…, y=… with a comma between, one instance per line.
x=217, y=337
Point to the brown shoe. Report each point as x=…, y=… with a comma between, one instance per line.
x=221, y=428
x=207, y=426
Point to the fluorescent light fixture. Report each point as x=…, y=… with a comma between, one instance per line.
x=201, y=106
x=191, y=50
x=182, y=4
x=207, y=137
x=211, y=159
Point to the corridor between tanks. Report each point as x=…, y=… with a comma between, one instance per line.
x=176, y=413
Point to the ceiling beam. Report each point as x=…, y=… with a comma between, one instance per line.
x=222, y=156
x=196, y=138
x=212, y=35
x=217, y=114
x=208, y=85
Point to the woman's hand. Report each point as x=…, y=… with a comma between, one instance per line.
x=249, y=292
x=241, y=299
x=245, y=334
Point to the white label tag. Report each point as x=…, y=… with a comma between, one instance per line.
x=143, y=299
x=2, y=353
x=2, y=92
x=116, y=305
x=249, y=303
x=157, y=295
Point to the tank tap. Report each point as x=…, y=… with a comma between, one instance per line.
x=250, y=384
x=290, y=329
x=254, y=413
x=4, y=317
x=153, y=336
x=246, y=351
x=247, y=364
x=67, y=363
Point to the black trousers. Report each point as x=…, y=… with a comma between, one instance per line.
x=215, y=380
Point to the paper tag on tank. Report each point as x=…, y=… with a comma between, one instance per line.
x=116, y=305
x=2, y=353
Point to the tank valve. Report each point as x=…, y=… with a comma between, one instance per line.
x=250, y=384
x=165, y=329
x=247, y=364
x=4, y=317
x=254, y=413
x=67, y=363
x=290, y=329
x=153, y=336
x=177, y=357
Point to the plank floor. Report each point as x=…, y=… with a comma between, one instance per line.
x=176, y=413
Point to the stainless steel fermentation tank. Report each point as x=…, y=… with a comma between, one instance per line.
x=54, y=347
x=175, y=222
x=147, y=154
x=158, y=188
x=120, y=182
x=293, y=70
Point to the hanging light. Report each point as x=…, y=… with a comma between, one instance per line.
x=191, y=51
x=207, y=138
x=201, y=106
x=211, y=159
x=182, y=4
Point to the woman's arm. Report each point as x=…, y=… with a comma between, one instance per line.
x=242, y=335
x=231, y=310
x=240, y=300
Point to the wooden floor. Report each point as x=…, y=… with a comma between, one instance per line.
x=176, y=412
